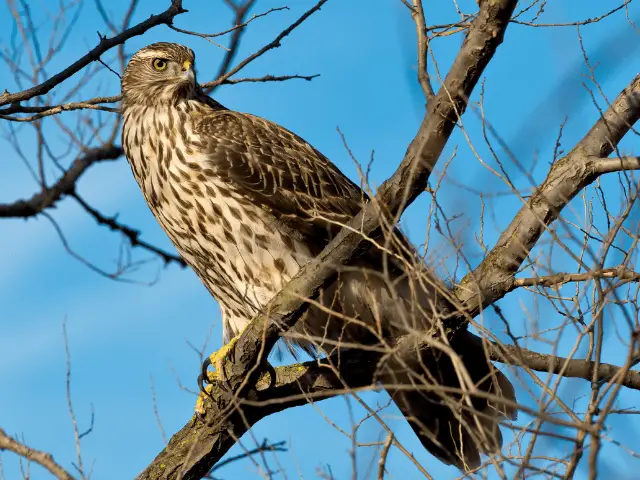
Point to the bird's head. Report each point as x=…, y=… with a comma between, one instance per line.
x=159, y=73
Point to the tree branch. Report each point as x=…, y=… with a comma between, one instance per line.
x=319, y=380
x=610, y=165
x=559, y=279
x=47, y=110
x=572, y=368
x=105, y=44
x=64, y=186
x=296, y=385
x=43, y=459
x=241, y=12
x=224, y=73
x=132, y=234
x=417, y=12
x=269, y=78
x=495, y=275
x=265, y=446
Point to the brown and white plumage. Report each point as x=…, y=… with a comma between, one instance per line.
x=247, y=203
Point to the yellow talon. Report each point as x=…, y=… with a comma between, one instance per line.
x=199, y=408
x=217, y=359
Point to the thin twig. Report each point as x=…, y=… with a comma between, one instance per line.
x=131, y=234
x=104, y=45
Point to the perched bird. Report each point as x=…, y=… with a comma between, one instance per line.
x=246, y=202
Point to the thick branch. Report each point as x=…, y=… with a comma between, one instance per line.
x=194, y=449
x=494, y=277
x=64, y=186
x=105, y=44
x=610, y=165
x=41, y=458
x=318, y=380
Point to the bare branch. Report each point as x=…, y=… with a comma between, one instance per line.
x=41, y=458
x=588, y=21
x=48, y=111
x=64, y=186
x=265, y=446
x=131, y=234
x=225, y=74
x=241, y=12
x=558, y=279
x=297, y=384
x=156, y=413
x=610, y=165
x=417, y=13
x=382, y=463
x=74, y=423
x=572, y=368
x=269, y=78
x=105, y=44
x=237, y=26
x=494, y=277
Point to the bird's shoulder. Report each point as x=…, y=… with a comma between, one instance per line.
x=271, y=160
x=258, y=136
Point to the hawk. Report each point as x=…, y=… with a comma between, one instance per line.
x=246, y=202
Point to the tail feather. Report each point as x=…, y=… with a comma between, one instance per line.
x=455, y=428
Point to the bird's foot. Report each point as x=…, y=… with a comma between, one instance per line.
x=209, y=378
x=217, y=377
x=217, y=360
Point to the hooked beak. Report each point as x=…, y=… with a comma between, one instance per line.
x=187, y=68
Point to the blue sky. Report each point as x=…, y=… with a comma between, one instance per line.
x=121, y=334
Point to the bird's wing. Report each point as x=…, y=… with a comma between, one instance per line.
x=280, y=172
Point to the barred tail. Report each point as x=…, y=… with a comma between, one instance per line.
x=454, y=428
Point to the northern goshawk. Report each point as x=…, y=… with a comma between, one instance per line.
x=247, y=203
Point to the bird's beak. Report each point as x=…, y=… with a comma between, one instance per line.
x=187, y=68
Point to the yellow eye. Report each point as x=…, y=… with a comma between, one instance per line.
x=159, y=64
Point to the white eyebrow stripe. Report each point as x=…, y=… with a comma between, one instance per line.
x=151, y=54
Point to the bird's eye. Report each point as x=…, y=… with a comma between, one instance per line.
x=159, y=64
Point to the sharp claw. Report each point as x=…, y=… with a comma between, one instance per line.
x=219, y=377
x=202, y=379
x=200, y=417
x=206, y=364
x=272, y=375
